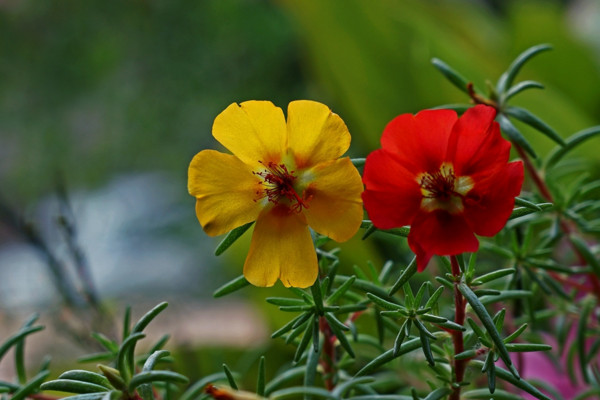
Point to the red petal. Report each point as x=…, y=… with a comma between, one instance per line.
x=392, y=195
x=440, y=233
x=490, y=203
x=475, y=144
x=419, y=141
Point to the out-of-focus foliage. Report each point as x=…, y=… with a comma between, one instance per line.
x=373, y=58
x=91, y=89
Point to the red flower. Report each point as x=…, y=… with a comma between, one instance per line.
x=447, y=177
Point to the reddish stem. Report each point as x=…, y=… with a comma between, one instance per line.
x=537, y=179
x=457, y=336
x=328, y=354
x=566, y=227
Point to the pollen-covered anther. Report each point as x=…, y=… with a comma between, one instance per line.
x=443, y=190
x=440, y=184
x=278, y=183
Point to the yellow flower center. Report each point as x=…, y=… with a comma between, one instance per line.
x=278, y=187
x=442, y=190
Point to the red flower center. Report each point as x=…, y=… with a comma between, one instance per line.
x=278, y=185
x=442, y=190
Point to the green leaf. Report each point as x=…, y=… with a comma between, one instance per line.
x=305, y=339
x=400, y=338
x=299, y=320
x=17, y=337
x=154, y=359
x=339, y=292
x=432, y=301
x=366, y=287
x=197, y=388
x=586, y=253
x=155, y=376
x=508, y=77
x=340, y=390
x=526, y=203
x=20, y=351
x=438, y=393
x=335, y=326
x=499, y=319
x=107, y=343
x=522, y=211
x=113, y=376
x=94, y=396
x=285, y=301
x=231, y=286
x=86, y=376
x=286, y=376
x=524, y=347
x=515, y=334
x=408, y=272
x=371, y=229
x=506, y=295
x=520, y=383
x=312, y=364
x=297, y=391
x=582, y=325
x=488, y=366
x=514, y=135
x=260, y=384
x=387, y=305
x=317, y=296
x=31, y=386
x=457, y=79
x=519, y=87
x=126, y=322
x=148, y=317
x=95, y=357
x=334, y=321
x=125, y=355
x=466, y=355
x=145, y=390
x=530, y=119
x=231, y=237
x=230, y=378
x=570, y=143
x=73, y=386
x=459, y=108
x=485, y=394
x=492, y=276
x=388, y=356
x=489, y=325
x=445, y=282
x=426, y=346
x=358, y=162
x=423, y=329
x=387, y=270
x=421, y=293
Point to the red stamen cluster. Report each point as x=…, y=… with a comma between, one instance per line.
x=279, y=183
x=440, y=184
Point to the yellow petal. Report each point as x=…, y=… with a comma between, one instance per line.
x=253, y=131
x=225, y=189
x=315, y=134
x=281, y=248
x=334, y=205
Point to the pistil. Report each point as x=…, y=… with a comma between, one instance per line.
x=278, y=184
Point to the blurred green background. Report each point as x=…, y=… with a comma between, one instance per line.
x=98, y=92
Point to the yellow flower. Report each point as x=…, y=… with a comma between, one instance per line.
x=284, y=176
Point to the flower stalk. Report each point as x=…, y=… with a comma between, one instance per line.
x=457, y=336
